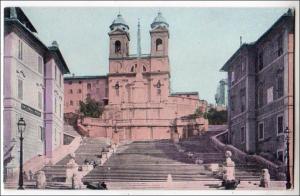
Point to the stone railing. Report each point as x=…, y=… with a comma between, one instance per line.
x=38, y=162
x=236, y=153
x=82, y=129
x=63, y=151
x=245, y=158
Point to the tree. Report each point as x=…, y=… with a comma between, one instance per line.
x=216, y=117
x=91, y=108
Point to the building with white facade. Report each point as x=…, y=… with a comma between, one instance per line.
x=33, y=90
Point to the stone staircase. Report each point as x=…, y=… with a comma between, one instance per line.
x=90, y=149
x=147, y=165
x=158, y=164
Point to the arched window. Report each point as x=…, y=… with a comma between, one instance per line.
x=117, y=46
x=132, y=69
x=159, y=45
x=144, y=69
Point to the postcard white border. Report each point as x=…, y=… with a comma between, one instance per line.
x=258, y=4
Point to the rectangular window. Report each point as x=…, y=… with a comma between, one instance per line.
x=260, y=96
x=243, y=66
x=55, y=135
x=79, y=91
x=280, y=155
x=260, y=61
x=42, y=133
x=60, y=109
x=243, y=135
x=40, y=65
x=279, y=45
x=20, y=89
x=280, y=86
x=40, y=100
x=232, y=77
x=55, y=73
x=89, y=86
x=243, y=99
x=270, y=95
x=71, y=102
x=158, y=91
x=71, y=91
x=20, y=50
x=261, y=131
x=60, y=80
x=55, y=103
x=279, y=125
x=232, y=104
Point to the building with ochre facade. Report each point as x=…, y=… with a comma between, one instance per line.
x=79, y=88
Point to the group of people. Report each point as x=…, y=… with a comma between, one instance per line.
x=92, y=162
x=99, y=186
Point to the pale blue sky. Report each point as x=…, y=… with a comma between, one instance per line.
x=201, y=39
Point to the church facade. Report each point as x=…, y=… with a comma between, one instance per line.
x=140, y=104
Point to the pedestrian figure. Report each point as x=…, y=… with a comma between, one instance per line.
x=30, y=175
x=103, y=185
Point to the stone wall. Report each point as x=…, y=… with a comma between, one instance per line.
x=244, y=158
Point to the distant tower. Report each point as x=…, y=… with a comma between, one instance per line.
x=119, y=38
x=159, y=36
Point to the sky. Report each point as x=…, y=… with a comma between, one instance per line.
x=201, y=39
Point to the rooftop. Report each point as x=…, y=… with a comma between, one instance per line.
x=289, y=13
x=15, y=16
x=84, y=77
x=185, y=93
x=159, y=20
x=17, y=13
x=59, y=57
x=120, y=23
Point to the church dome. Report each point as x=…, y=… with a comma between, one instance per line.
x=159, y=20
x=119, y=23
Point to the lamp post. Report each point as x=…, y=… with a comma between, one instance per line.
x=288, y=184
x=21, y=128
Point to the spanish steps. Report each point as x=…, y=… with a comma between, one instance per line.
x=146, y=163
x=89, y=149
x=150, y=164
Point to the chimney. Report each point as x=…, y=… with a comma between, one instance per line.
x=241, y=42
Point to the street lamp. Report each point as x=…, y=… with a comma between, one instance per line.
x=288, y=176
x=21, y=128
